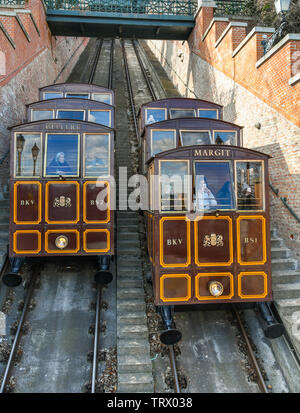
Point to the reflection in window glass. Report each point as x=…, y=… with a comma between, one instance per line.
x=41, y=114
x=100, y=116
x=162, y=140
x=208, y=113
x=174, y=185
x=70, y=114
x=225, y=138
x=61, y=155
x=249, y=185
x=189, y=138
x=28, y=154
x=52, y=95
x=96, y=155
x=103, y=97
x=155, y=115
x=213, y=186
x=182, y=113
x=78, y=95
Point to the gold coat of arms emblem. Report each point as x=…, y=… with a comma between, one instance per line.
x=213, y=240
x=62, y=201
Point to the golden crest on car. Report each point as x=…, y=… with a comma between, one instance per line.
x=213, y=240
x=62, y=201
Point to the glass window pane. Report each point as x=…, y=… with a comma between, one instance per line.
x=225, y=138
x=97, y=155
x=182, y=113
x=70, y=114
x=61, y=155
x=28, y=154
x=100, y=116
x=78, y=95
x=155, y=115
x=189, y=138
x=174, y=185
x=162, y=140
x=208, y=113
x=249, y=185
x=41, y=114
x=213, y=186
x=52, y=95
x=103, y=97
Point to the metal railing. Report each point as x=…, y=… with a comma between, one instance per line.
x=285, y=203
x=168, y=7
x=231, y=8
x=12, y=2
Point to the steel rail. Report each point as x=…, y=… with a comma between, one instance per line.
x=18, y=332
x=174, y=369
x=111, y=64
x=255, y=365
x=95, y=62
x=130, y=91
x=96, y=338
x=146, y=77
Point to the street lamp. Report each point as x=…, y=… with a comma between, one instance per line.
x=282, y=7
x=35, y=152
x=20, y=147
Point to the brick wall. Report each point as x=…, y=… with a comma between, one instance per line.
x=30, y=58
x=223, y=62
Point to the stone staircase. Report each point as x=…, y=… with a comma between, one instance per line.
x=286, y=287
x=134, y=364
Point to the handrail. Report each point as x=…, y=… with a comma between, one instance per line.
x=230, y=8
x=12, y=2
x=166, y=7
x=284, y=201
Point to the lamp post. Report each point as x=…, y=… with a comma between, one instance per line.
x=35, y=152
x=20, y=147
x=281, y=7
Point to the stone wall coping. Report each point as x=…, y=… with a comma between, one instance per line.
x=248, y=37
x=11, y=6
x=295, y=79
x=287, y=38
x=14, y=12
x=205, y=3
x=230, y=25
x=215, y=19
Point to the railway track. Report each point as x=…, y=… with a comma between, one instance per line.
x=133, y=346
x=28, y=293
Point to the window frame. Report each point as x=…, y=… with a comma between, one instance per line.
x=84, y=176
x=39, y=176
x=46, y=154
x=232, y=173
x=196, y=130
x=216, y=131
x=151, y=108
x=186, y=117
x=162, y=130
x=208, y=109
x=261, y=161
x=100, y=110
x=187, y=161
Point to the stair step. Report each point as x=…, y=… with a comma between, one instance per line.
x=283, y=264
x=131, y=292
x=130, y=283
x=278, y=253
x=286, y=291
x=131, y=305
x=132, y=331
x=135, y=383
x=138, y=363
x=285, y=276
x=276, y=242
x=132, y=318
x=289, y=306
